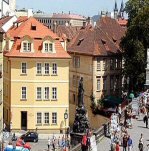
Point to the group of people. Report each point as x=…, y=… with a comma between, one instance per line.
x=86, y=143
x=60, y=143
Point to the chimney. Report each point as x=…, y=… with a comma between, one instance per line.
x=29, y=13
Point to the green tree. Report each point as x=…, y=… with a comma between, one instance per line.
x=136, y=41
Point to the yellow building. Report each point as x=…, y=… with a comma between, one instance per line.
x=36, y=78
x=97, y=58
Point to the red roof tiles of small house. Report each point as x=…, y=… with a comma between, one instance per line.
x=112, y=29
x=93, y=41
x=122, y=22
x=37, y=36
x=69, y=31
x=68, y=16
x=4, y=20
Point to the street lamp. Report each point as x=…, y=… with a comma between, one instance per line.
x=65, y=118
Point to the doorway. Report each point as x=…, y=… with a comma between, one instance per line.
x=24, y=120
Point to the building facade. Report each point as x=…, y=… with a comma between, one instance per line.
x=52, y=21
x=97, y=58
x=36, y=78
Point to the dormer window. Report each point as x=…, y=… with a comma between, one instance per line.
x=48, y=47
x=26, y=46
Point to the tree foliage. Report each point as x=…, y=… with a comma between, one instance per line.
x=136, y=41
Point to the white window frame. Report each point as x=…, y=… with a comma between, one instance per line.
x=27, y=46
x=54, y=68
x=37, y=118
x=45, y=70
x=48, y=47
x=76, y=61
x=25, y=69
x=104, y=64
x=54, y=93
x=37, y=93
x=47, y=118
x=37, y=68
x=54, y=117
x=23, y=98
x=46, y=93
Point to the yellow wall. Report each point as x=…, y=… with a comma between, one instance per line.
x=15, y=81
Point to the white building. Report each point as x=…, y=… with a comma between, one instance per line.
x=7, y=7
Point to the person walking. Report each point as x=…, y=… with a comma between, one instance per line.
x=140, y=146
x=119, y=112
x=145, y=119
x=49, y=143
x=125, y=141
x=53, y=143
x=84, y=143
x=117, y=146
x=130, y=145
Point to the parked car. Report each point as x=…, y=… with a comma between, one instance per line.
x=30, y=137
x=21, y=143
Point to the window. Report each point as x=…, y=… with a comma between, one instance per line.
x=54, y=68
x=116, y=63
x=39, y=68
x=54, y=118
x=54, y=93
x=48, y=47
x=23, y=93
x=46, y=93
x=104, y=83
x=76, y=62
x=47, y=67
x=46, y=118
x=23, y=68
x=74, y=80
x=116, y=82
x=26, y=46
x=39, y=118
x=98, y=65
x=111, y=64
x=39, y=93
x=98, y=83
x=111, y=82
x=104, y=64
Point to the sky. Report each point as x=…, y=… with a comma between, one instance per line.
x=82, y=7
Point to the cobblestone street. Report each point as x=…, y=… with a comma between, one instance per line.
x=135, y=132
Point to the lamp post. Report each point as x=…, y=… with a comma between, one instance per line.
x=65, y=118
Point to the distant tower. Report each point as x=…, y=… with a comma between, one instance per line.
x=115, y=10
x=121, y=12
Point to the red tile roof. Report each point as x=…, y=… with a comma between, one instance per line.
x=122, y=22
x=93, y=41
x=24, y=29
x=112, y=29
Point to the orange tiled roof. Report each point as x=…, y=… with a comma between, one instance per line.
x=111, y=27
x=93, y=41
x=24, y=29
x=122, y=22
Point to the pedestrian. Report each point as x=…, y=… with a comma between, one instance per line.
x=145, y=119
x=53, y=143
x=49, y=143
x=84, y=143
x=119, y=112
x=130, y=145
x=117, y=146
x=125, y=140
x=140, y=146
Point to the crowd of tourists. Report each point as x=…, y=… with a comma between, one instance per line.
x=120, y=125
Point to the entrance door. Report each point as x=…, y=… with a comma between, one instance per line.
x=24, y=120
